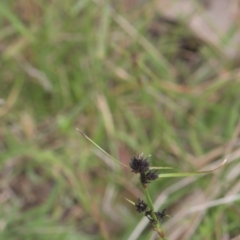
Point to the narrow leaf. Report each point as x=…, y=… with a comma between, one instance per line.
x=161, y=168
x=168, y=175
x=91, y=141
x=187, y=174
x=133, y=203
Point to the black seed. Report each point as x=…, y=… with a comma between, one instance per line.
x=152, y=175
x=141, y=206
x=139, y=164
x=146, y=178
x=161, y=215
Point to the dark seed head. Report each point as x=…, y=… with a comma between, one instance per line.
x=161, y=215
x=139, y=164
x=141, y=206
x=143, y=179
x=146, y=178
x=152, y=175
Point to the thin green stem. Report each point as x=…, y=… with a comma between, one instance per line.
x=153, y=216
x=150, y=204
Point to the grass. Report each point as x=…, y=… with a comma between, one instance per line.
x=81, y=64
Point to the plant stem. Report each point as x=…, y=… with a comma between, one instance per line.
x=150, y=204
x=154, y=217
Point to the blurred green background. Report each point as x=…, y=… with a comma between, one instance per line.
x=133, y=81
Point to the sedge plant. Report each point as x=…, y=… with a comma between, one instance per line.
x=147, y=174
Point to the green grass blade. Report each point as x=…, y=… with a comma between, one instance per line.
x=188, y=174
x=16, y=22
x=91, y=141
x=168, y=175
x=103, y=32
x=162, y=168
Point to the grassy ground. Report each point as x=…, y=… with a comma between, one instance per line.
x=130, y=86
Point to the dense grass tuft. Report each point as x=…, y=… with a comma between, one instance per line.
x=130, y=86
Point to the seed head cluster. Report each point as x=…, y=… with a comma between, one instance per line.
x=161, y=215
x=141, y=206
x=148, y=177
x=140, y=165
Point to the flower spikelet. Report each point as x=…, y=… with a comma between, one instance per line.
x=141, y=206
x=138, y=164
